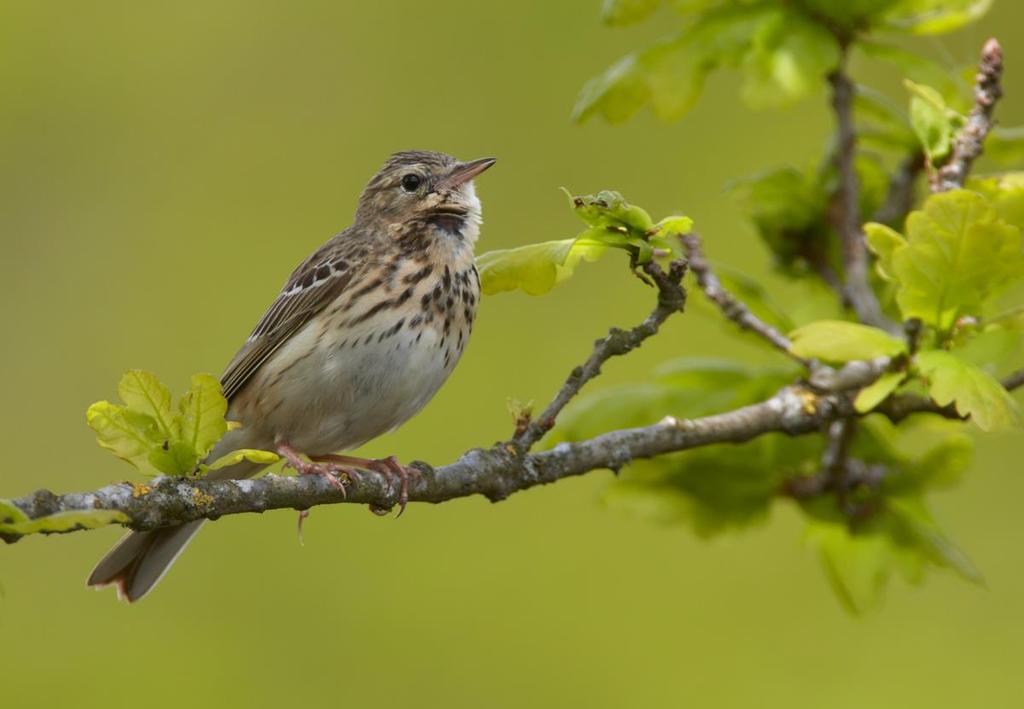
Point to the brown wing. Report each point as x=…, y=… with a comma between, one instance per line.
x=312, y=286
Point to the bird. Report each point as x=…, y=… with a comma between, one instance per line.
x=362, y=335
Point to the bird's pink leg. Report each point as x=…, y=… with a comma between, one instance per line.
x=389, y=467
x=329, y=470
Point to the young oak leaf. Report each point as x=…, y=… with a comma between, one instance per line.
x=610, y=209
x=875, y=393
x=841, y=341
x=535, y=268
x=141, y=391
x=974, y=392
x=928, y=17
x=933, y=121
x=1005, y=192
x=200, y=420
x=128, y=434
x=252, y=455
x=64, y=521
x=613, y=223
x=154, y=437
x=957, y=254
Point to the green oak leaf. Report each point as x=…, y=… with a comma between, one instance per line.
x=252, y=455
x=781, y=53
x=916, y=522
x=535, y=268
x=927, y=17
x=883, y=241
x=932, y=120
x=673, y=226
x=875, y=393
x=613, y=223
x=713, y=489
x=900, y=535
x=174, y=457
x=788, y=59
x=143, y=392
x=975, y=392
x=849, y=14
x=10, y=513
x=1005, y=192
x=130, y=435
x=919, y=69
x=841, y=341
x=154, y=436
x=610, y=209
x=200, y=419
x=957, y=254
x=65, y=521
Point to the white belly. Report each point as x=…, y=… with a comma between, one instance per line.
x=346, y=393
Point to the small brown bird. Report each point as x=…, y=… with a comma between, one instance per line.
x=362, y=336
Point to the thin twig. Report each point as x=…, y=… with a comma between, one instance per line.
x=1014, y=380
x=730, y=306
x=671, y=299
x=969, y=143
x=900, y=198
x=847, y=217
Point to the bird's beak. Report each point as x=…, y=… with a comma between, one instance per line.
x=465, y=171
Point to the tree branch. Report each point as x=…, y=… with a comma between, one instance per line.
x=494, y=473
x=970, y=141
x=731, y=307
x=671, y=299
x=857, y=289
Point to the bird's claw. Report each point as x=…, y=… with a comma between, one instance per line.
x=330, y=471
x=389, y=467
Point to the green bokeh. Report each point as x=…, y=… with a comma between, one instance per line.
x=163, y=168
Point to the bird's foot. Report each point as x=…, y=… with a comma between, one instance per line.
x=329, y=470
x=389, y=467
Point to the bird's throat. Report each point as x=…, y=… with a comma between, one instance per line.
x=448, y=221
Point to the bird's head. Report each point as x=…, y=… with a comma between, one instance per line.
x=424, y=189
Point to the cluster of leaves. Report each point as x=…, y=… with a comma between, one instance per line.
x=781, y=49
x=612, y=223
x=783, y=52
x=959, y=254
x=156, y=437
x=946, y=271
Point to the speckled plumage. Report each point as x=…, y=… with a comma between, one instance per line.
x=361, y=337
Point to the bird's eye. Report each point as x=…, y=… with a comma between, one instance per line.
x=411, y=182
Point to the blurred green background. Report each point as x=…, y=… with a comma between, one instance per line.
x=165, y=165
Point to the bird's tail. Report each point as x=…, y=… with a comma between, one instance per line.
x=141, y=559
